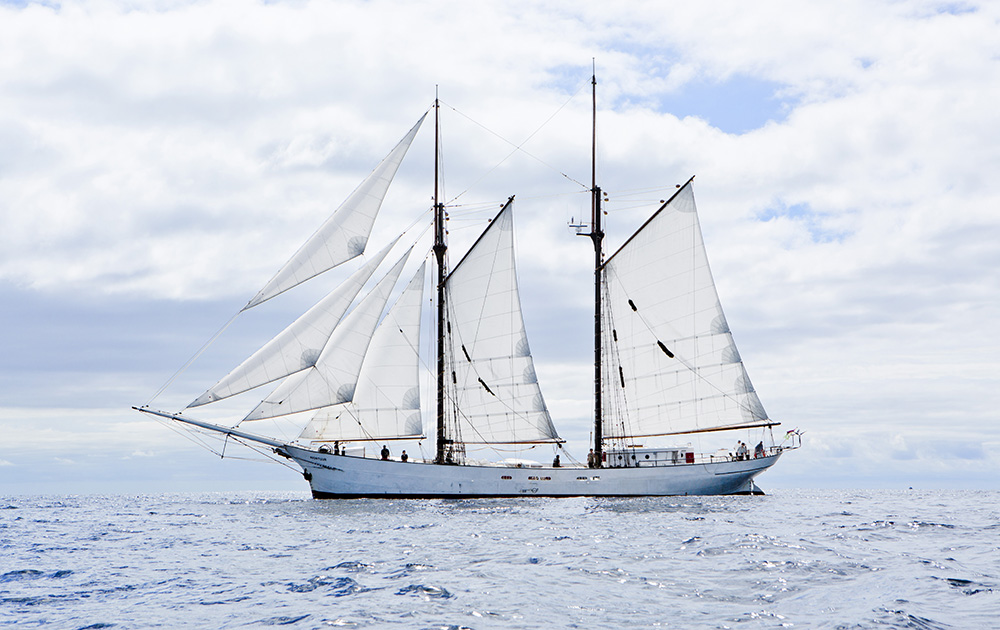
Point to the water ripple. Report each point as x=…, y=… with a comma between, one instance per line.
x=858, y=559
x=425, y=591
x=335, y=587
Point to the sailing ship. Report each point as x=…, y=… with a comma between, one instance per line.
x=665, y=365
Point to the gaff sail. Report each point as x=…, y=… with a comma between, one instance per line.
x=492, y=374
x=671, y=365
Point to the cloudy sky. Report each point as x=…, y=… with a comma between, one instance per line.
x=159, y=161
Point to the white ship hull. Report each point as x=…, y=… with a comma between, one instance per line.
x=346, y=477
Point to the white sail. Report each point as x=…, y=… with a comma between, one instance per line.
x=298, y=346
x=334, y=376
x=345, y=233
x=492, y=374
x=670, y=362
x=386, y=403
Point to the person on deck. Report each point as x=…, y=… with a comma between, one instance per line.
x=591, y=459
x=555, y=462
x=385, y=452
x=742, y=452
x=758, y=450
x=404, y=457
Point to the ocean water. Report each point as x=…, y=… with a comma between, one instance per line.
x=794, y=559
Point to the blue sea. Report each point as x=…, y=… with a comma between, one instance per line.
x=793, y=559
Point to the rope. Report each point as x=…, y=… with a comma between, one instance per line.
x=518, y=147
x=194, y=358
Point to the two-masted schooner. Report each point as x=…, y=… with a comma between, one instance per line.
x=665, y=364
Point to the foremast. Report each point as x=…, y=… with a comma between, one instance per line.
x=597, y=237
x=440, y=248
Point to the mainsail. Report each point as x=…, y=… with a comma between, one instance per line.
x=298, y=346
x=345, y=234
x=334, y=376
x=386, y=403
x=671, y=364
x=492, y=376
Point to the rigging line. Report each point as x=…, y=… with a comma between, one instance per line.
x=370, y=437
x=419, y=218
x=553, y=195
x=632, y=204
x=484, y=210
x=283, y=425
x=519, y=147
x=195, y=436
x=635, y=191
x=619, y=400
x=470, y=208
x=190, y=434
x=569, y=456
x=194, y=358
x=420, y=235
x=462, y=209
x=260, y=450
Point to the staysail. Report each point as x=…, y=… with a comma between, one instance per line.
x=671, y=365
x=334, y=377
x=345, y=233
x=298, y=346
x=492, y=375
x=386, y=403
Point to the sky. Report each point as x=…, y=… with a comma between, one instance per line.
x=160, y=160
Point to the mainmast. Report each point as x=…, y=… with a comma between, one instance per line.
x=597, y=236
x=440, y=247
